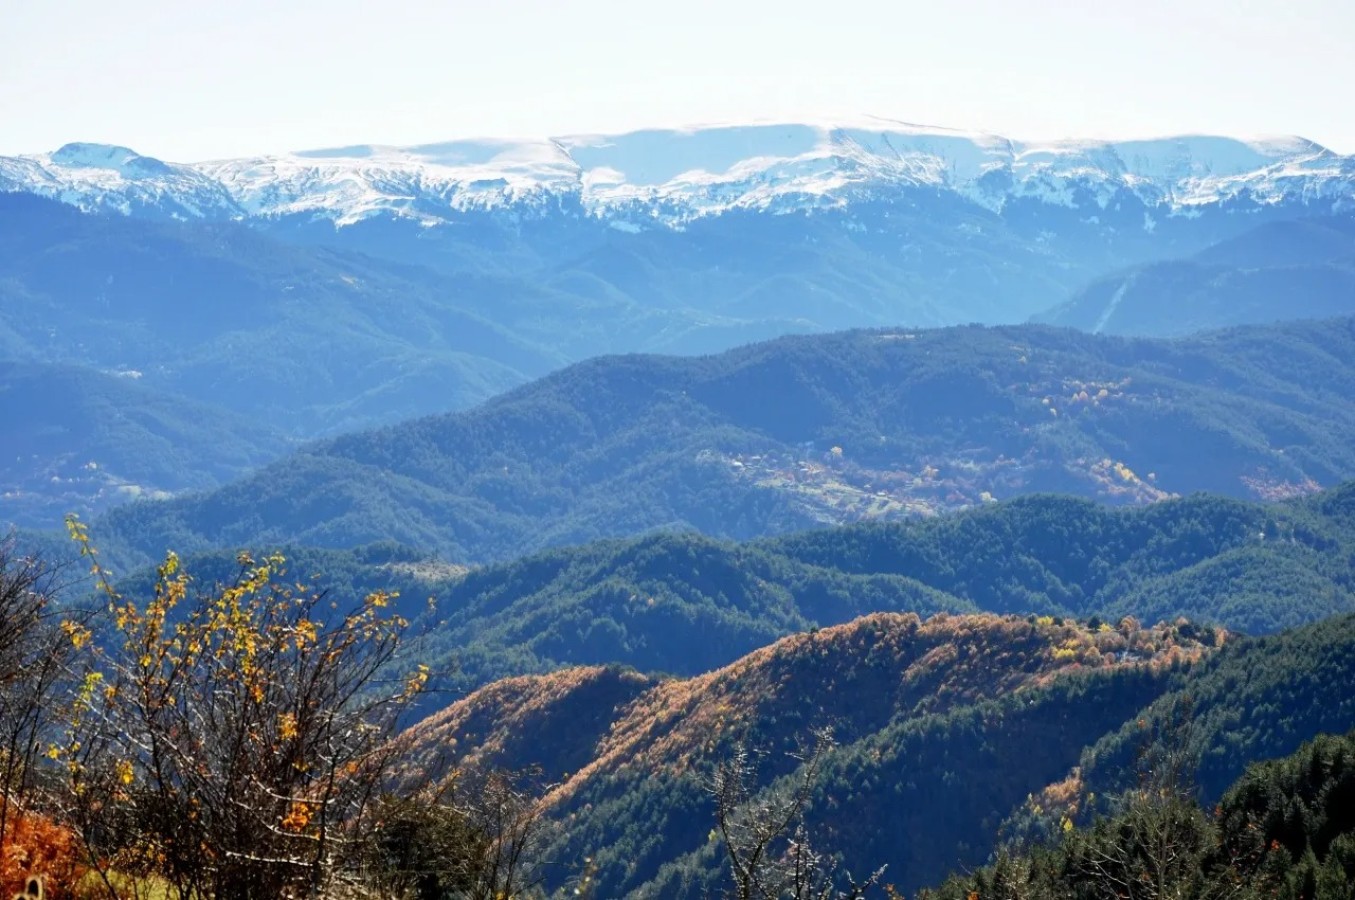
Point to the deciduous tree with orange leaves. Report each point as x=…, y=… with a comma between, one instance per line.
x=34, y=652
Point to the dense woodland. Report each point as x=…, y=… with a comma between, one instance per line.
x=923, y=775
x=684, y=604
x=803, y=432
x=915, y=662
x=1285, y=829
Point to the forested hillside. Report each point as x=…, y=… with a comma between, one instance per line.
x=890, y=739
x=686, y=604
x=950, y=735
x=802, y=432
x=636, y=803
x=80, y=440
x=1299, y=269
x=1259, y=700
x=1285, y=829
x=305, y=340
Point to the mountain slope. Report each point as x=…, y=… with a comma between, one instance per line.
x=639, y=807
x=306, y=340
x=1260, y=700
x=1250, y=566
x=1285, y=829
x=77, y=440
x=945, y=729
x=1303, y=269
x=807, y=431
x=687, y=604
x=816, y=226
x=948, y=728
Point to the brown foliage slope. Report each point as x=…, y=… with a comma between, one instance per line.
x=549, y=721
x=855, y=678
x=617, y=743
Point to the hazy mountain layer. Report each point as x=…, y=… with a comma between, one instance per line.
x=78, y=440
x=1303, y=269
x=304, y=340
x=803, y=432
x=752, y=230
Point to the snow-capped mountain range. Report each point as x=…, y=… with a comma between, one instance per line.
x=670, y=177
x=329, y=290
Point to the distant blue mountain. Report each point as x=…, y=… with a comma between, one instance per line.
x=714, y=236
x=1302, y=269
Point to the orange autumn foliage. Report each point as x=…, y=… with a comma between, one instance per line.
x=35, y=845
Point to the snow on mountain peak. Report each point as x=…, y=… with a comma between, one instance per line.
x=106, y=176
x=674, y=175
x=107, y=157
x=101, y=156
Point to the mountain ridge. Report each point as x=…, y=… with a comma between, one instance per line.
x=805, y=431
x=685, y=603
x=653, y=745
x=703, y=238
x=666, y=177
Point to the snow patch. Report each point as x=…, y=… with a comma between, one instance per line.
x=1114, y=304
x=673, y=176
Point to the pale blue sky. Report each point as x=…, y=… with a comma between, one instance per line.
x=187, y=80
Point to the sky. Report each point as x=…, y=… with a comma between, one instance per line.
x=187, y=80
